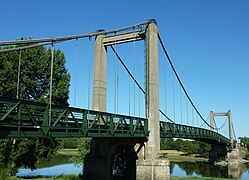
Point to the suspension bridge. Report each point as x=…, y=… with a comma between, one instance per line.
x=112, y=132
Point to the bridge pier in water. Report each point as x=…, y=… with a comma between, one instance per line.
x=112, y=158
x=217, y=152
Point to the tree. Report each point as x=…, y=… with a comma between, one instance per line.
x=33, y=86
x=245, y=142
x=190, y=147
x=84, y=145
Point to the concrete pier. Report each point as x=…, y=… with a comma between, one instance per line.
x=111, y=158
x=157, y=169
x=217, y=152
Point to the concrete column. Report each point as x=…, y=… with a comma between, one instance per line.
x=99, y=81
x=99, y=163
x=212, y=120
x=152, y=93
x=230, y=128
x=217, y=151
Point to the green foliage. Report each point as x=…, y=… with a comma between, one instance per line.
x=34, y=86
x=34, y=75
x=69, y=177
x=69, y=143
x=84, y=145
x=245, y=142
x=190, y=147
x=61, y=177
x=196, y=178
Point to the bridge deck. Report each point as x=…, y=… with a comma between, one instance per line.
x=172, y=130
x=20, y=118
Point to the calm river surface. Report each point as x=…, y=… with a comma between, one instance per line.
x=176, y=169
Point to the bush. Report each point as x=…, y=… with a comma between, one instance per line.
x=70, y=143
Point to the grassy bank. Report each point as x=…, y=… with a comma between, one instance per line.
x=68, y=152
x=76, y=177
x=195, y=178
x=62, y=177
x=178, y=156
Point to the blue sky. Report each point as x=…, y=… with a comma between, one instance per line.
x=208, y=42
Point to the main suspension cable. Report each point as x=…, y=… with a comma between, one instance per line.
x=133, y=78
x=23, y=47
x=179, y=80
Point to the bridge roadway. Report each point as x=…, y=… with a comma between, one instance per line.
x=21, y=118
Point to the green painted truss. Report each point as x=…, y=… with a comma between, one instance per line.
x=173, y=130
x=20, y=118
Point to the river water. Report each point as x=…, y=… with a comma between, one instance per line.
x=177, y=169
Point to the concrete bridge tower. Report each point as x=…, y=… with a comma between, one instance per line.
x=149, y=165
x=99, y=162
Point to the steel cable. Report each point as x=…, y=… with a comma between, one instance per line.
x=133, y=78
x=179, y=80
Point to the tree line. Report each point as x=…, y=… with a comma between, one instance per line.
x=189, y=147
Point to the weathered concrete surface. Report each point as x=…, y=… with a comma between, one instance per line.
x=152, y=147
x=99, y=81
x=99, y=162
x=157, y=169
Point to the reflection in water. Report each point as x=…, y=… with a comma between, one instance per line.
x=51, y=171
x=237, y=171
x=208, y=170
x=59, y=166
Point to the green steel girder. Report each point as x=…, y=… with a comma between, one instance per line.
x=20, y=118
x=172, y=130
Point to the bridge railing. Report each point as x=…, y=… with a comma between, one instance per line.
x=20, y=118
x=172, y=130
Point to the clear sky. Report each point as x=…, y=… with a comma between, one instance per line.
x=208, y=42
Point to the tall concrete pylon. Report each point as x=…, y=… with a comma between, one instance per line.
x=148, y=165
x=99, y=81
x=212, y=121
x=152, y=92
x=98, y=163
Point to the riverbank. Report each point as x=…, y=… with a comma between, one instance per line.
x=195, y=178
x=76, y=177
x=182, y=165
x=178, y=156
x=61, y=177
